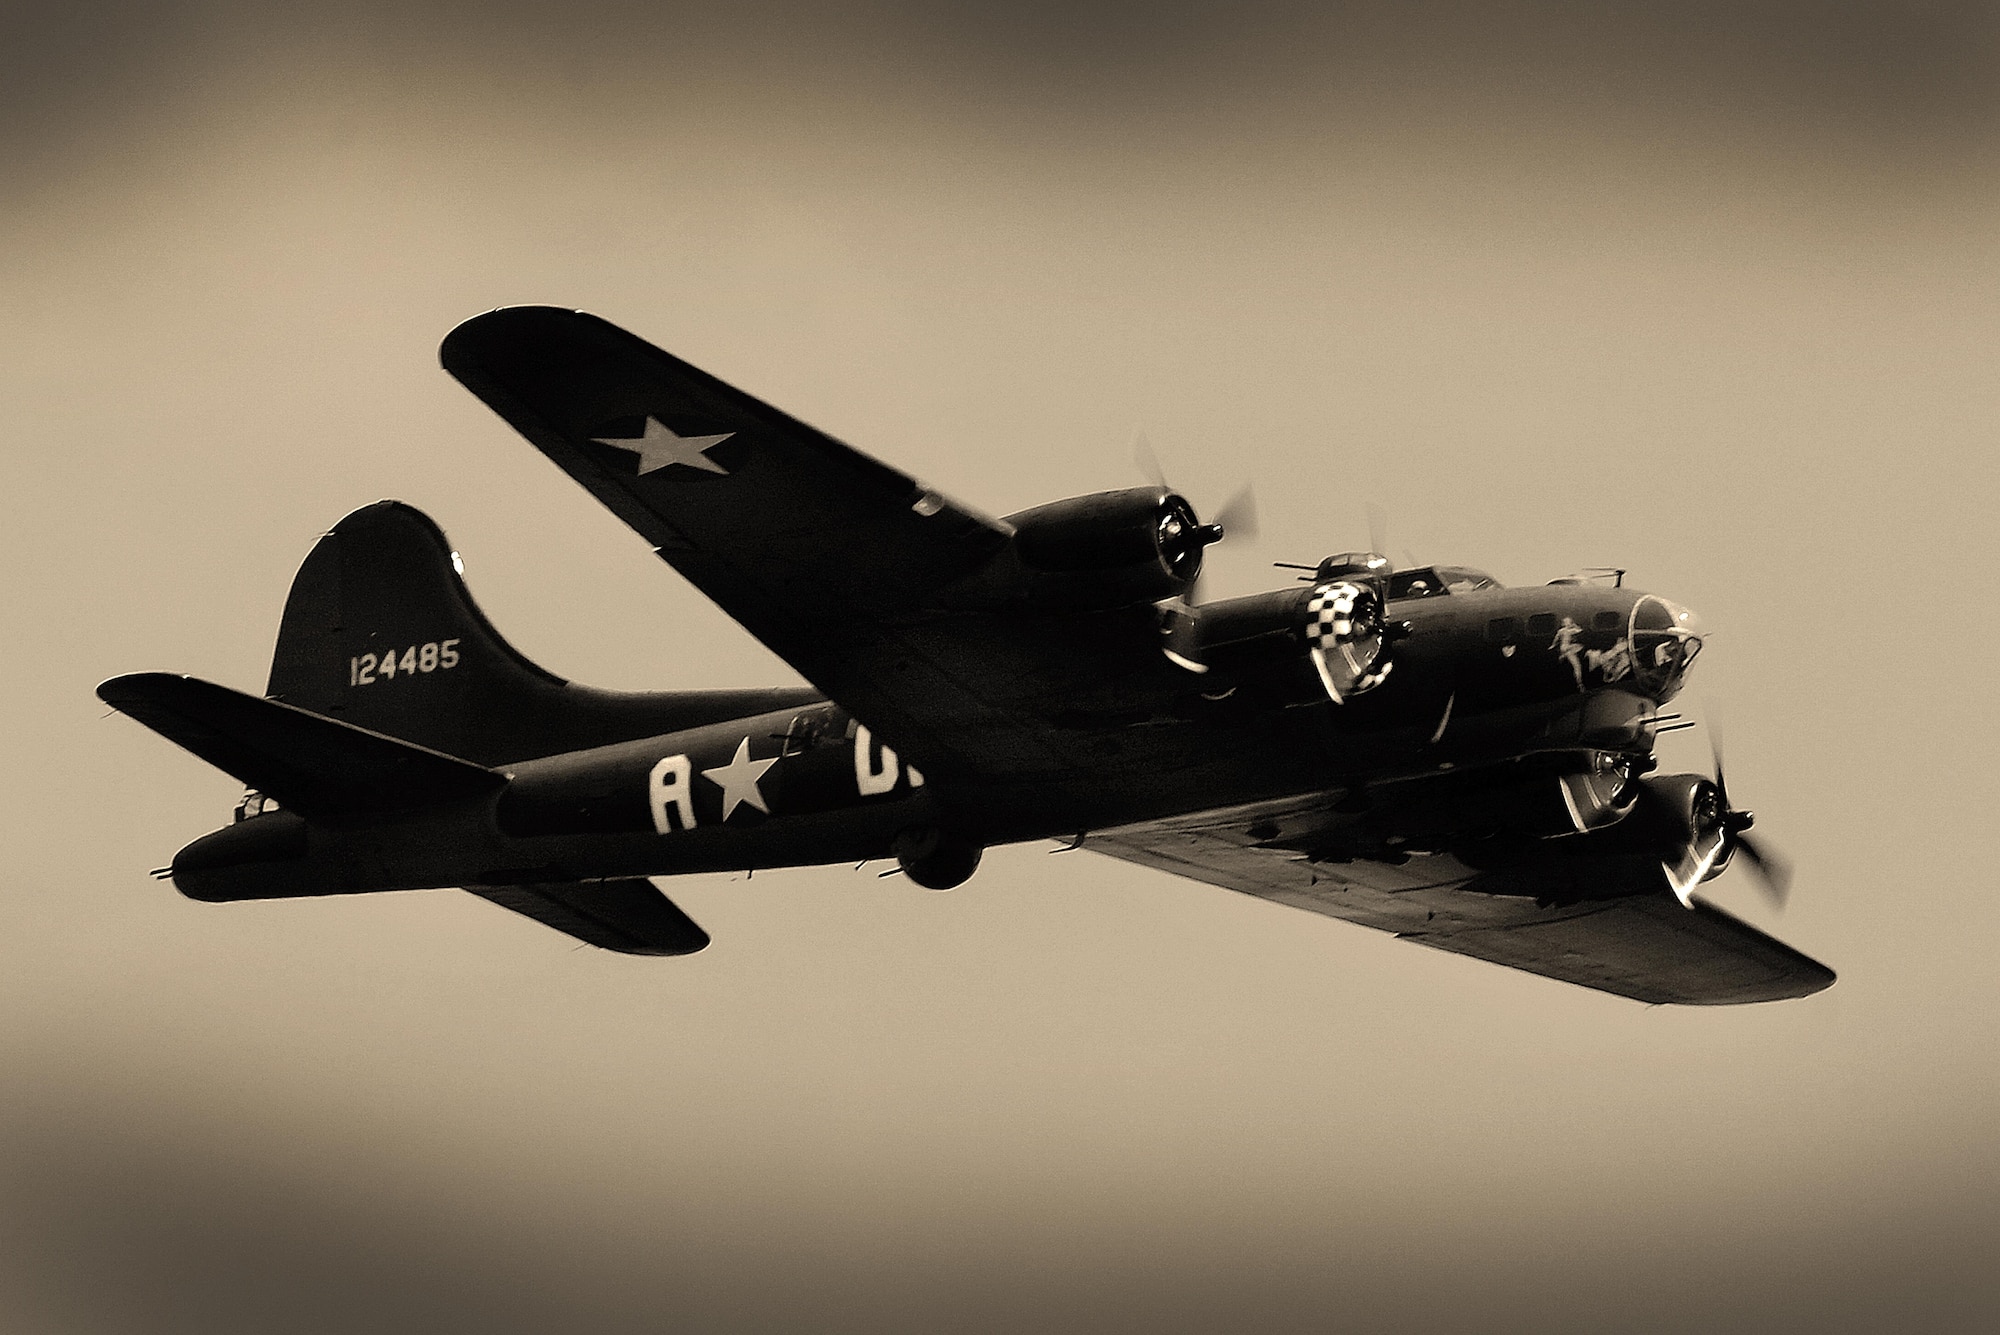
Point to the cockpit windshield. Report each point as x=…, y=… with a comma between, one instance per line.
x=1431, y=581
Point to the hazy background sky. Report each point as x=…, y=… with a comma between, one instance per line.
x=1708, y=291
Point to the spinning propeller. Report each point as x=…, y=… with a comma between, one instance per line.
x=1715, y=833
x=1237, y=517
x=1772, y=871
x=1378, y=529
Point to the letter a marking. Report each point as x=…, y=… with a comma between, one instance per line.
x=672, y=788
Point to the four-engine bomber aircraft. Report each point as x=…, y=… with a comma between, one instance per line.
x=1421, y=751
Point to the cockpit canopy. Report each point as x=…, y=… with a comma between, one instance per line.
x=1349, y=566
x=1417, y=582
x=1435, y=581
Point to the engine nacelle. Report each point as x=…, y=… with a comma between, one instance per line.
x=1687, y=810
x=1483, y=816
x=1346, y=637
x=1110, y=549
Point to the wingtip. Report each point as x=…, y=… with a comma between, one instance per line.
x=693, y=944
x=131, y=687
x=465, y=338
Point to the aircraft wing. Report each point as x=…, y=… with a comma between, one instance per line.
x=825, y=554
x=1600, y=922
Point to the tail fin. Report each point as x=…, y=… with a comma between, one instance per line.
x=381, y=632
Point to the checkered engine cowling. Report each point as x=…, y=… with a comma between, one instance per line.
x=1344, y=636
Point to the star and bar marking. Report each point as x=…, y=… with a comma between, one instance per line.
x=738, y=780
x=660, y=447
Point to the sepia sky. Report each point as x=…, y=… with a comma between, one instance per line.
x=1711, y=292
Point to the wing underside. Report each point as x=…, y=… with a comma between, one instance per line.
x=841, y=565
x=1609, y=923
x=828, y=556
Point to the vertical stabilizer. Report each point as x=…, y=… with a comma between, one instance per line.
x=381, y=632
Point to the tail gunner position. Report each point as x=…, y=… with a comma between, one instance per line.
x=1422, y=751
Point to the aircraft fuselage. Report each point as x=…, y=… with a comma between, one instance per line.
x=1482, y=681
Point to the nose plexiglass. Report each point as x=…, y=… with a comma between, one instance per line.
x=1665, y=639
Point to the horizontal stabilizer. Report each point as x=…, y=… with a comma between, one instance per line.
x=627, y=915
x=322, y=768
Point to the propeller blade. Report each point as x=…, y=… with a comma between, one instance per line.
x=1378, y=529
x=1238, y=516
x=1773, y=873
x=1770, y=869
x=1715, y=751
x=1148, y=461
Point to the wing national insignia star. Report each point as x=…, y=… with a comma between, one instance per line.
x=659, y=447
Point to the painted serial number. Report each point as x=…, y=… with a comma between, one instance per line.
x=436, y=656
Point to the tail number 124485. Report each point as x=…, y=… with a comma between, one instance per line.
x=436, y=656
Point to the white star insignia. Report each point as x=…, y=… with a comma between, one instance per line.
x=659, y=447
x=738, y=780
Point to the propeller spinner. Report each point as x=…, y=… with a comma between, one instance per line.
x=1184, y=535
x=1716, y=832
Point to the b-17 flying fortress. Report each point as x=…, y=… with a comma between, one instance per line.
x=1422, y=751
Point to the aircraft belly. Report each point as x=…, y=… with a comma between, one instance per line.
x=813, y=839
